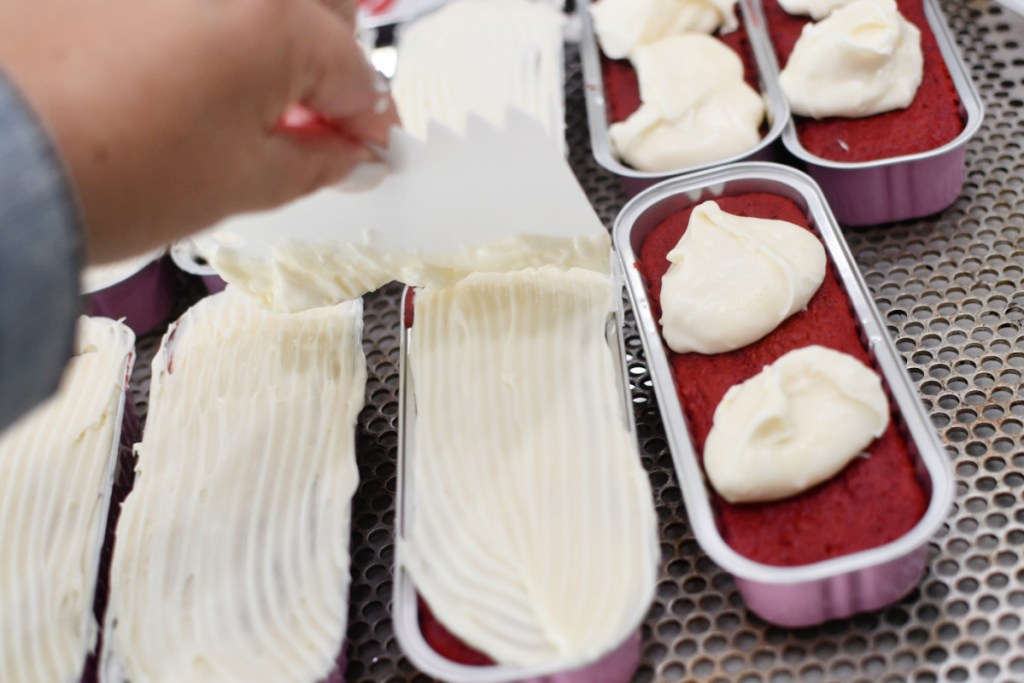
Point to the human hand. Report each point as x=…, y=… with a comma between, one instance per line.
x=167, y=113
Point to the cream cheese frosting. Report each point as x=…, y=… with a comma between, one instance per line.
x=56, y=476
x=232, y=553
x=495, y=199
x=481, y=57
x=623, y=26
x=695, y=106
x=864, y=59
x=534, y=535
x=815, y=9
x=796, y=424
x=734, y=279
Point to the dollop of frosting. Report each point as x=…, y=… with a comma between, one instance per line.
x=232, y=554
x=734, y=279
x=481, y=57
x=56, y=475
x=695, y=108
x=534, y=533
x=623, y=26
x=816, y=9
x=796, y=424
x=864, y=59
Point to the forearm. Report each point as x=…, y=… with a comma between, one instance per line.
x=39, y=260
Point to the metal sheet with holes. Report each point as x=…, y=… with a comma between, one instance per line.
x=952, y=290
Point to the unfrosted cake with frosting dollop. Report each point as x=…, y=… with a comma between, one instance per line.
x=56, y=477
x=874, y=499
x=932, y=117
x=231, y=559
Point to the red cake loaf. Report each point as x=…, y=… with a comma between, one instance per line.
x=872, y=502
x=622, y=89
x=931, y=120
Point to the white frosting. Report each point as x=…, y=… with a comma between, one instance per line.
x=481, y=57
x=695, y=108
x=622, y=26
x=232, y=554
x=56, y=469
x=794, y=425
x=816, y=9
x=864, y=59
x=734, y=279
x=534, y=535
x=95, y=278
x=497, y=199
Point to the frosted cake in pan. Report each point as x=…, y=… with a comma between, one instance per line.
x=56, y=476
x=231, y=559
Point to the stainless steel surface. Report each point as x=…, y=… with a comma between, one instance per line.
x=951, y=288
x=776, y=107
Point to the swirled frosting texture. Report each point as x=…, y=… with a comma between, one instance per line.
x=481, y=57
x=734, y=279
x=534, y=538
x=864, y=59
x=623, y=26
x=695, y=106
x=794, y=425
x=232, y=560
x=56, y=469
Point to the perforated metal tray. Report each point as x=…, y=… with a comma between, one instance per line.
x=951, y=288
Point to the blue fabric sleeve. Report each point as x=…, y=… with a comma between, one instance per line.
x=40, y=260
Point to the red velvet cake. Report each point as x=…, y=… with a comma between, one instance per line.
x=932, y=120
x=873, y=501
x=622, y=89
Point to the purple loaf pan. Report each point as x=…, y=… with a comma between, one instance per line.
x=633, y=180
x=617, y=666
x=144, y=299
x=809, y=594
x=899, y=188
x=186, y=256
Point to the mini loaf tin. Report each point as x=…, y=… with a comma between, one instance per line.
x=187, y=258
x=144, y=294
x=633, y=180
x=617, y=666
x=898, y=188
x=839, y=587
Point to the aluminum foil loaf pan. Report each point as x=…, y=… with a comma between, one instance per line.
x=141, y=291
x=897, y=188
x=803, y=595
x=633, y=180
x=617, y=666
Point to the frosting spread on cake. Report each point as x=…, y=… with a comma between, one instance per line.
x=695, y=106
x=734, y=279
x=794, y=425
x=534, y=536
x=816, y=9
x=56, y=474
x=623, y=26
x=864, y=59
x=481, y=57
x=232, y=553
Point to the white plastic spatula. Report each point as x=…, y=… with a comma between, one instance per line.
x=492, y=200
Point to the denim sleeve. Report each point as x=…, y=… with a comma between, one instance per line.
x=40, y=260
